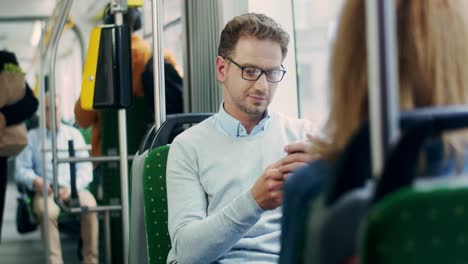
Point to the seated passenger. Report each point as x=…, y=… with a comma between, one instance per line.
x=225, y=175
x=29, y=170
x=432, y=67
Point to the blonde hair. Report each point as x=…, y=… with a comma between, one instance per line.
x=432, y=62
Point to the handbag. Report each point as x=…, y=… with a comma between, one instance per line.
x=12, y=87
x=13, y=139
x=26, y=220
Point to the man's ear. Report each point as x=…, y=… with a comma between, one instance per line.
x=220, y=69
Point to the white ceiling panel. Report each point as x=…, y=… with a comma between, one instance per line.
x=15, y=35
x=21, y=8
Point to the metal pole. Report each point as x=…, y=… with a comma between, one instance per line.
x=158, y=63
x=85, y=210
x=383, y=78
x=95, y=158
x=124, y=182
x=107, y=234
x=119, y=8
x=388, y=26
x=64, y=9
x=42, y=129
x=17, y=19
x=63, y=15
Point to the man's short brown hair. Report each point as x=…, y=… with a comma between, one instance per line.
x=254, y=25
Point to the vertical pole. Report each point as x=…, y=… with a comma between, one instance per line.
x=383, y=78
x=42, y=133
x=118, y=9
x=158, y=63
x=107, y=237
x=52, y=59
x=62, y=19
x=124, y=181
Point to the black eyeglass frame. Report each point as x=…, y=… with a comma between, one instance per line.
x=261, y=71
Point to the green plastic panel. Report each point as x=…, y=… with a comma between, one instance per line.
x=138, y=120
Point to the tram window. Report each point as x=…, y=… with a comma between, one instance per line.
x=314, y=28
x=68, y=73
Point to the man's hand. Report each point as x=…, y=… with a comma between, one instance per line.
x=38, y=182
x=297, y=156
x=268, y=189
x=64, y=194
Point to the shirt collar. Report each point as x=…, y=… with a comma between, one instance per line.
x=232, y=127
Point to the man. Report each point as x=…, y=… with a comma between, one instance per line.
x=28, y=172
x=11, y=114
x=225, y=175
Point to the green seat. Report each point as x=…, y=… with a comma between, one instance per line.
x=155, y=205
x=154, y=185
x=418, y=226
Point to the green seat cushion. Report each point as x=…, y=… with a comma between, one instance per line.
x=419, y=226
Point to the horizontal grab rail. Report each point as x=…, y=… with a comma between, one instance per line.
x=85, y=209
x=96, y=158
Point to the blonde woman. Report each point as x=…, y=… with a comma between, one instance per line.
x=433, y=71
x=432, y=62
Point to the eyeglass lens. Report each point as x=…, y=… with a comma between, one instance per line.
x=253, y=74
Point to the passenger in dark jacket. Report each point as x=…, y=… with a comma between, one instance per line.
x=173, y=86
x=12, y=114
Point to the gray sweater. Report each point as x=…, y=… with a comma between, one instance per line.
x=213, y=216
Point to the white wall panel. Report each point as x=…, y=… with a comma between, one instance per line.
x=286, y=98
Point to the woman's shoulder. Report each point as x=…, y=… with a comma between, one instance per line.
x=314, y=174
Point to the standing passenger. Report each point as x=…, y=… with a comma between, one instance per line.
x=11, y=114
x=173, y=85
x=225, y=175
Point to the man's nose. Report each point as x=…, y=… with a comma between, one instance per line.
x=262, y=83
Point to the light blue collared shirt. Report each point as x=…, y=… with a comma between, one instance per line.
x=232, y=127
x=28, y=162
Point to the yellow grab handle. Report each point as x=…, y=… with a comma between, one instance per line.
x=90, y=68
x=135, y=3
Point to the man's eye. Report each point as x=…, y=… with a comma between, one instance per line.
x=274, y=73
x=252, y=71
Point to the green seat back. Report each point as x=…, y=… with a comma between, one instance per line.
x=155, y=205
x=418, y=226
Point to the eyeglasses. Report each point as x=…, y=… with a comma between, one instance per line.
x=253, y=74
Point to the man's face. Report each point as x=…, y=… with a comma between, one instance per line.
x=243, y=98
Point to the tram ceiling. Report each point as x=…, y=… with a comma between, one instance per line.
x=19, y=21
